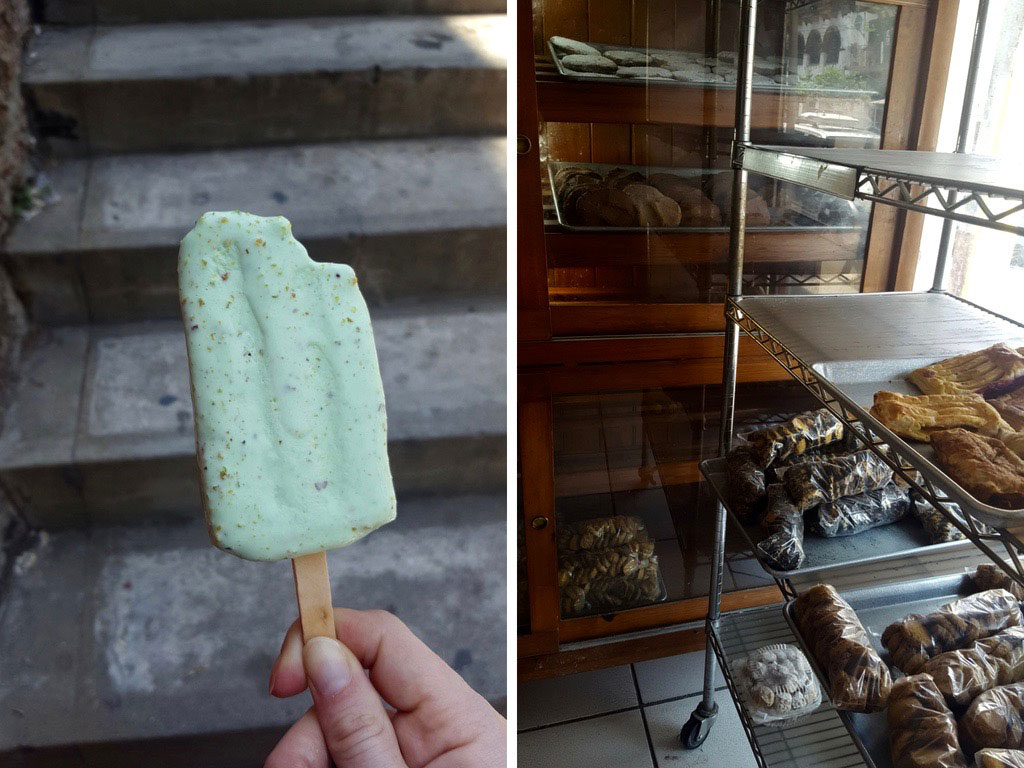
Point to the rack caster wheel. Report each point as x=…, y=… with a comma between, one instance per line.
x=697, y=728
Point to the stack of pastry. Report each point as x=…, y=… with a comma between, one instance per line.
x=972, y=412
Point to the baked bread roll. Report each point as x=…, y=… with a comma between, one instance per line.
x=989, y=576
x=915, y=639
x=999, y=758
x=645, y=73
x=783, y=524
x=996, y=718
x=653, y=209
x=963, y=674
x=858, y=679
x=922, y=730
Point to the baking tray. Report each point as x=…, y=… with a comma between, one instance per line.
x=858, y=344
x=878, y=607
x=589, y=77
x=902, y=538
x=645, y=170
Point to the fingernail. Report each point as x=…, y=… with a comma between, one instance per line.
x=273, y=679
x=326, y=666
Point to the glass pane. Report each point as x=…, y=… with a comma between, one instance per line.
x=637, y=206
x=634, y=455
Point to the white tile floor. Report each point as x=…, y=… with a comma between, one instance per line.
x=626, y=717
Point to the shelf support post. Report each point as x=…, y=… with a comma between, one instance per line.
x=962, y=136
x=699, y=725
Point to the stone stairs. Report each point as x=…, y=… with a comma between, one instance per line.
x=125, y=638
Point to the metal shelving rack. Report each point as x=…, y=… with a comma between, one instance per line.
x=792, y=329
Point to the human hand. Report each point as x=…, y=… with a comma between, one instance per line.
x=434, y=718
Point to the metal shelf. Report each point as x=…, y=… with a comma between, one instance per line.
x=843, y=348
x=818, y=740
x=974, y=189
x=903, y=540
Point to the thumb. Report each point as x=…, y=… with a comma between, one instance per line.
x=356, y=728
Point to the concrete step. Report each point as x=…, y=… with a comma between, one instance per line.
x=418, y=219
x=135, y=12
x=147, y=646
x=98, y=429
x=237, y=83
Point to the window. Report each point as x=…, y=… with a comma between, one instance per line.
x=833, y=44
x=813, y=48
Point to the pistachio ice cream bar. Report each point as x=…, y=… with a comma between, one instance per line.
x=291, y=431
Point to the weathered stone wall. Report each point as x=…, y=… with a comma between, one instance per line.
x=14, y=23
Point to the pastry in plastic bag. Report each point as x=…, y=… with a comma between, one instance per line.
x=612, y=593
x=996, y=718
x=989, y=576
x=817, y=482
x=963, y=674
x=937, y=525
x=800, y=434
x=999, y=758
x=747, y=489
x=600, y=533
x=858, y=679
x=915, y=639
x=783, y=545
x=922, y=730
x=776, y=683
x=853, y=514
x=590, y=566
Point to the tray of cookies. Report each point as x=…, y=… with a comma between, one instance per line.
x=601, y=197
x=924, y=673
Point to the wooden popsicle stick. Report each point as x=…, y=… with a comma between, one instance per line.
x=313, y=591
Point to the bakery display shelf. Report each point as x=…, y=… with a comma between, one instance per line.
x=845, y=347
x=877, y=607
x=973, y=189
x=903, y=539
x=856, y=223
x=820, y=739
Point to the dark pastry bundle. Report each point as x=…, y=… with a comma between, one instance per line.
x=858, y=679
x=747, y=489
x=922, y=730
x=798, y=436
x=912, y=641
x=853, y=514
x=820, y=482
x=782, y=548
x=990, y=576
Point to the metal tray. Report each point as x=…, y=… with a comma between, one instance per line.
x=645, y=170
x=589, y=77
x=877, y=608
x=886, y=542
x=856, y=344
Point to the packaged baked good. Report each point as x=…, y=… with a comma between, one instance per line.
x=613, y=593
x=600, y=533
x=915, y=417
x=984, y=466
x=999, y=758
x=990, y=576
x=776, y=684
x=853, y=514
x=963, y=674
x=858, y=679
x=589, y=566
x=797, y=436
x=917, y=638
x=783, y=524
x=988, y=372
x=922, y=730
x=747, y=489
x=818, y=482
x=936, y=524
x=996, y=718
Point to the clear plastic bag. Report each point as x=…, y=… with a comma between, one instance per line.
x=996, y=718
x=747, y=489
x=776, y=684
x=819, y=482
x=915, y=639
x=853, y=514
x=600, y=533
x=858, y=679
x=1000, y=758
x=989, y=576
x=613, y=593
x=629, y=560
x=922, y=730
x=783, y=546
x=963, y=674
x=800, y=434
x=939, y=528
